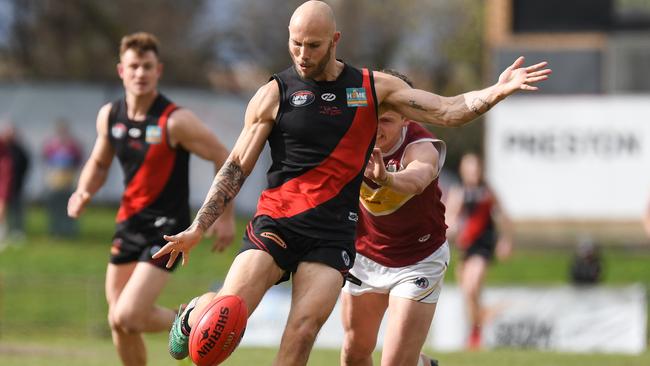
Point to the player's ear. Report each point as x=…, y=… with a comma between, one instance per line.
x=160, y=68
x=335, y=39
x=120, y=70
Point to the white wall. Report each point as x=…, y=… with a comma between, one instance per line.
x=577, y=157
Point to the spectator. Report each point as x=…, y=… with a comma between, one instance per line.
x=20, y=163
x=62, y=155
x=5, y=186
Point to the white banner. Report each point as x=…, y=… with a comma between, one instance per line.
x=570, y=319
x=570, y=157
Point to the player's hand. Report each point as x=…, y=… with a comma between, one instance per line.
x=224, y=231
x=516, y=77
x=503, y=249
x=375, y=169
x=180, y=244
x=77, y=202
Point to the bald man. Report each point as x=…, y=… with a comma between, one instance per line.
x=319, y=117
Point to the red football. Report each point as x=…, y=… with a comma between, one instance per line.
x=220, y=327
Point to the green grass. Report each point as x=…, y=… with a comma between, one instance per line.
x=53, y=312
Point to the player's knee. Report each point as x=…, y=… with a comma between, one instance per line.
x=356, y=348
x=125, y=321
x=305, y=330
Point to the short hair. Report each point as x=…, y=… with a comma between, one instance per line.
x=399, y=75
x=140, y=42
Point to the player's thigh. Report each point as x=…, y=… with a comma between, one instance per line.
x=474, y=269
x=251, y=274
x=143, y=288
x=117, y=275
x=316, y=288
x=361, y=316
x=407, y=329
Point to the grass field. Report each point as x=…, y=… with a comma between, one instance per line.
x=52, y=307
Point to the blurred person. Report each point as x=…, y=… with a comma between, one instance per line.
x=319, y=117
x=62, y=154
x=6, y=176
x=152, y=138
x=481, y=229
x=586, y=266
x=402, y=250
x=20, y=163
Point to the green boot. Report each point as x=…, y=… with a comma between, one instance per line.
x=179, y=337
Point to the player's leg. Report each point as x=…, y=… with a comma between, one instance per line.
x=411, y=306
x=471, y=282
x=251, y=274
x=407, y=329
x=130, y=347
x=361, y=316
x=316, y=288
x=136, y=310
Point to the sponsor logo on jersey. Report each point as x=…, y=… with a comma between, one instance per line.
x=346, y=258
x=302, y=98
x=329, y=110
x=119, y=130
x=424, y=238
x=352, y=216
x=356, y=97
x=328, y=97
x=421, y=282
x=160, y=221
x=135, y=132
x=275, y=238
x=154, y=135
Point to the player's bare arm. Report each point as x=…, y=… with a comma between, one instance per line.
x=94, y=173
x=187, y=130
x=258, y=123
x=456, y=111
x=421, y=168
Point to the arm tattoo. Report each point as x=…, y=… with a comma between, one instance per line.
x=480, y=106
x=225, y=187
x=415, y=105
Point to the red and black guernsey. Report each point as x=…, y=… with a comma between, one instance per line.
x=155, y=174
x=323, y=136
x=477, y=224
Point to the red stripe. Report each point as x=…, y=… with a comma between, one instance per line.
x=254, y=239
x=325, y=181
x=151, y=178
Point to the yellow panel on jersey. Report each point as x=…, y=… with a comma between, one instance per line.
x=383, y=200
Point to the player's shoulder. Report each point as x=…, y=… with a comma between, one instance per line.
x=266, y=99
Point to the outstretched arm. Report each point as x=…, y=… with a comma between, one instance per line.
x=259, y=121
x=94, y=173
x=455, y=111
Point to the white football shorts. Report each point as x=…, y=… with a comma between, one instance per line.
x=421, y=281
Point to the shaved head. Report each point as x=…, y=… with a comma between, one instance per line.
x=315, y=16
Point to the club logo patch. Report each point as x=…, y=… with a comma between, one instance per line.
x=302, y=98
x=346, y=258
x=421, y=282
x=424, y=238
x=154, y=135
x=353, y=216
x=119, y=130
x=356, y=97
x=328, y=97
x=135, y=132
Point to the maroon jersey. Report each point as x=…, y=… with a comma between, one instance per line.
x=321, y=141
x=155, y=174
x=398, y=229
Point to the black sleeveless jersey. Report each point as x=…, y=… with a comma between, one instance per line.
x=323, y=136
x=155, y=174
